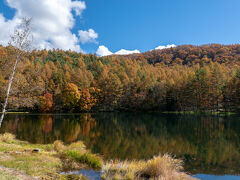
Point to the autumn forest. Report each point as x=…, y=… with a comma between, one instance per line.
x=185, y=78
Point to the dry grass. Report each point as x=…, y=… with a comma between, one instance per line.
x=46, y=164
x=160, y=167
x=7, y=137
x=5, y=175
x=73, y=177
x=58, y=146
x=79, y=145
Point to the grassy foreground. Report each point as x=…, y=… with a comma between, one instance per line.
x=23, y=160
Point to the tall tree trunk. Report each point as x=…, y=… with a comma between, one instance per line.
x=20, y=42
x=8, y=89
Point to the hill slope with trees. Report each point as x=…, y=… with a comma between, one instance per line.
x=185, y=78
x=190, y=55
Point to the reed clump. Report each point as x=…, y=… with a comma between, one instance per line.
x=159, y=167
x=77, y=153
x=58, y=146
x=91, y=160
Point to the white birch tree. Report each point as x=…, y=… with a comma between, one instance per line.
x=20, y=41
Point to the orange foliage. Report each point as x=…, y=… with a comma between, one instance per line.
x=89, y=98
x=46, y=102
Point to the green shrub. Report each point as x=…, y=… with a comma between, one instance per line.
x=86, y=158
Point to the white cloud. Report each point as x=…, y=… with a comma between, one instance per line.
x=165, y=47
x=78, y=7
x=87, y=36
x=104, y=51
x=126, y=52
x=52, y=22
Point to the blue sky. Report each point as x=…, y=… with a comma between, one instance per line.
x=144, y=25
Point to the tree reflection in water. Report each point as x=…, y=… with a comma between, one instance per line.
x=208, y=144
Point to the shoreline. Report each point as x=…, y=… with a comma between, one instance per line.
x=131, y=112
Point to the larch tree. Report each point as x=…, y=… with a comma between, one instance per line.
x=20, y=41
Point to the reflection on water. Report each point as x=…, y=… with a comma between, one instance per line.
x=207, y=144
x=91, y=174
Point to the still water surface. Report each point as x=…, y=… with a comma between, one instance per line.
x=209, y=145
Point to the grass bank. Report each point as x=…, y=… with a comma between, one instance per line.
x=22, y=160
x=45, y=161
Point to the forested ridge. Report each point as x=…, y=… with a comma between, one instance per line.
x=185, y=78
x=190, y=55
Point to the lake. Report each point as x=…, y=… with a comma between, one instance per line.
x=208, y=144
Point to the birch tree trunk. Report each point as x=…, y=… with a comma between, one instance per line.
x=8, y=90
x=21, y=43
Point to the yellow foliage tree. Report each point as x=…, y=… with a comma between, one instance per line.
x=70, y=96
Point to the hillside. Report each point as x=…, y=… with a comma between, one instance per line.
x=190, y=55
x=185, y=78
